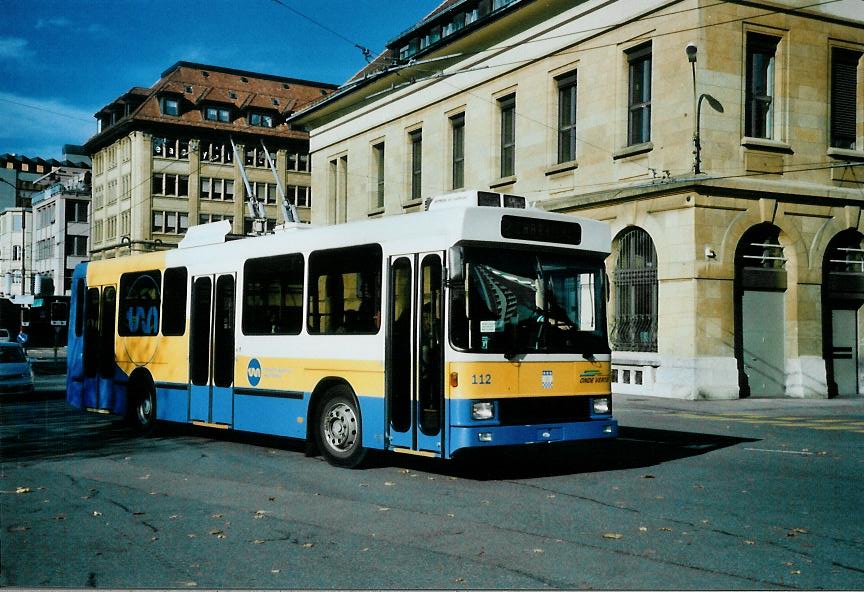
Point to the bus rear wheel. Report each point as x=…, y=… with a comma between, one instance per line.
x=141, y=413
x=339, y=433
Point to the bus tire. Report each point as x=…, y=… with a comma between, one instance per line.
x=141, y=402
x=338, y=430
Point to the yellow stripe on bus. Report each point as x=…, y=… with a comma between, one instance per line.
x=479, y=380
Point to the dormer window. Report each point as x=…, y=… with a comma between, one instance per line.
x=260, y=119
x=169, y=106
x=213, y=113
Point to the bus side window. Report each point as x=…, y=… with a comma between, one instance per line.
x=139, y=303
x=174, y=301
x=345, y=291
x=273, y=295
x=91, y=332
x=80, y=295
x=107, y=332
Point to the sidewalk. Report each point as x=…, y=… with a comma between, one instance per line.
x=768, y=407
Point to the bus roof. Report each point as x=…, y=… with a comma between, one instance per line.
x=435, y=230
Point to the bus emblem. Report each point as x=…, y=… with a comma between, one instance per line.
x=253, y=372
x=547, y=379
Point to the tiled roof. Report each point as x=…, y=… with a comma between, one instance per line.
x=198, y=84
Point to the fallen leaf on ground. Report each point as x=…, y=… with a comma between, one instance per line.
x=23, y=490
x=665, y=529
x=19, y=528
x=643, y=529
x=260, y=514
x=308, y=545
x=258, y=542
x=612, y=535
x=539, y=551
x=96, y=514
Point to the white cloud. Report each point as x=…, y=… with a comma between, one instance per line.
x=28, y=124
x=14, y=48
x=52, y=22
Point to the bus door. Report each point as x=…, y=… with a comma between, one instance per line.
x=415, y=355
x=211, y=349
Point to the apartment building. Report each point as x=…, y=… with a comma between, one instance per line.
x=164, y=157
x=722, y=141
x=22, y=179
x=61, y=229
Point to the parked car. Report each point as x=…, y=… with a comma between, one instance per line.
x=16, y=374
x=4, y=335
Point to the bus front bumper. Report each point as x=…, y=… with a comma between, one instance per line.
x=482, y=436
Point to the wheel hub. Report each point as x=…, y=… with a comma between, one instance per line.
x=340, y=427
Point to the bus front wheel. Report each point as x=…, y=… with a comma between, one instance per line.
x=339, y=432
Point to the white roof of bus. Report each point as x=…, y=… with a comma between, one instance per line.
x=416, y=232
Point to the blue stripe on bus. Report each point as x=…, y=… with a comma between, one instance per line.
x=279, y=416
x=172, y=402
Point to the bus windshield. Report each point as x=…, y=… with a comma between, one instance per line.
x=517, y=301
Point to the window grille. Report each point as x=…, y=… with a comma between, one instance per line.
x=634, y=326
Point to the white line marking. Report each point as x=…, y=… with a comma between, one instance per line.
x=780, y=451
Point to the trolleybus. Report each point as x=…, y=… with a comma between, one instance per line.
x=478, y=323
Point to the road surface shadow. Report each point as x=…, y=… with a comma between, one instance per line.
x=634, y=448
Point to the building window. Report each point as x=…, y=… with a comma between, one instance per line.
x=76, y=211
x=169, y=185
x=218, y=189
x=265, y=192
x=634, y=325
x=378, y=172
x=170, y=106
x=416, y=140
x=567, y=118
x=639, y=95
x=457, y=168
x=170, y=222
x=207, y=218
x=76, y=246
x=256, y=157
x=298, y=161
x=217, y=152
x=507, y=108
x=844, y=97
x=299, y=195
x=759, y=108
x=259, y=119
x=171, y=148
x=221, y=114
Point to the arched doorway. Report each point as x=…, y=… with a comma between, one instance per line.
x=634, y=323
x=842, y=301
x=760, y=313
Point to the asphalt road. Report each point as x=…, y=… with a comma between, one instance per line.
x=691, y=496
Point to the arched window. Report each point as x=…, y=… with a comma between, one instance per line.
x=634, y=325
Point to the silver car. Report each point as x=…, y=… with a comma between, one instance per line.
x=16, y=374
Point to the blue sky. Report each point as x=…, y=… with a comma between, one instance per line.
x=60, y=62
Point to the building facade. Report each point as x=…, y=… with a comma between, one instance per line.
x=164, y=159
x=730, y=171
x=61, y=229
x=22, y=179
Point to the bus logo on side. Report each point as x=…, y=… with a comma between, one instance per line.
x=253, y=372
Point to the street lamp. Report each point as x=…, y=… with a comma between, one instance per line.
x=691, y=50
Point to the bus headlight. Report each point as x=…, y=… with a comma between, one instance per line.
x=483, y=410
x=602, y=406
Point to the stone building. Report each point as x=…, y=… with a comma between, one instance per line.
x=163, y=158
x=737, y=265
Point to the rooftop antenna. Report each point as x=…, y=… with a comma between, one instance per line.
x=256, y=208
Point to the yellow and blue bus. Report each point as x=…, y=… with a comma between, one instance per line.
x=478, y=323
